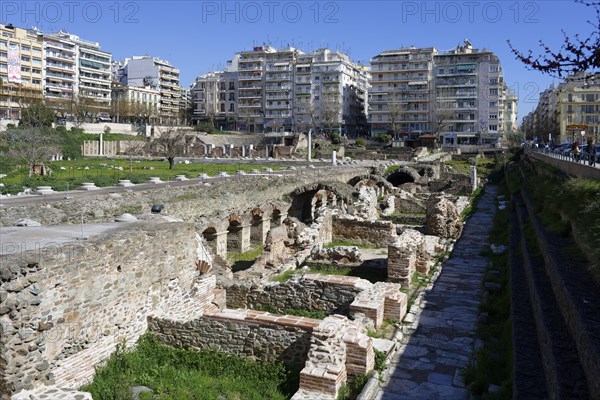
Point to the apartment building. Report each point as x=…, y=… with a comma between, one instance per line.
x=578, y=109
x=143, y=71
x=214, y=98
x=21, y=64
x=134, y=104
x=469, y=96
x=266, y=89
x=401, y=95
x=77, y=76
x=331, y=93
x=511, y=124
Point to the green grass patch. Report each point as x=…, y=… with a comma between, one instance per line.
x=354, y=387
x=473, y=201
x=242, y=261
x=284, y=276
x=176, y=373
x=493, y=362
x=316, y=314
x=107, y=172
x=349, y=243
x=385, y=331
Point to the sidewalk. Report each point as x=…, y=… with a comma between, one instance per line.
x=428, y=366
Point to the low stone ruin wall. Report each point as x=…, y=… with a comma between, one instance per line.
x=246, y=333
x=377, y=233
x=339, y=348
x=63, y=311
x=312, y=292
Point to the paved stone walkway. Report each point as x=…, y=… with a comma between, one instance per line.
x=428, y=366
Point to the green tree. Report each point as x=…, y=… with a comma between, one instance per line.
x=37, y=115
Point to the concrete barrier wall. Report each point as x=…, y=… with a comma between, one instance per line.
x=571, y=168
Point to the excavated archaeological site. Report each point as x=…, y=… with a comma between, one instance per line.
x=65, y=303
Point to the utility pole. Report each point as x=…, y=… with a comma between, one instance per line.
x=310, y=144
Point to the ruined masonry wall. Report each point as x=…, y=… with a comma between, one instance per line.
x=378, y=233
x=246, y=333
x=64, y=312
x=312, y=292
x=189, y=203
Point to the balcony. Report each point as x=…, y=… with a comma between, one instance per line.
x=278, y=88
x=61, y=46
x=60, y=56
x=250, y=77
x=59, y=67
x=275, y=78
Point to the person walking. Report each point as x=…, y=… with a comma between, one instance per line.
x=591, y=153
x=576, y=150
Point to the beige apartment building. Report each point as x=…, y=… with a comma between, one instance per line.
x=21, y=70
x=578, y=110
x=134, y=104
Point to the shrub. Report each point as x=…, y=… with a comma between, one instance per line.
x=382, y=138
x=360, y=142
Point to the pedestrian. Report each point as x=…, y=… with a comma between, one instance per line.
x=591, y=153
x=576, y=150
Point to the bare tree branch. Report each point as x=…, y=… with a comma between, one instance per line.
x=576, y=55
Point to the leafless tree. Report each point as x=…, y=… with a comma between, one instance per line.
x=135, y=148
x=32, y=145
x=395, y=110
x=169, y=143
x=331, y=110
x=576, y=55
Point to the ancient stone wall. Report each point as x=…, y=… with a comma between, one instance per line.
x=64, y=311
x=312, y=292
x=253, y=334
x=378, y=233
x=190, y=203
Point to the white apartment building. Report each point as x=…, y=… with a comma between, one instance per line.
x=143, y=71
x=401, y=95
x=331, y=93
x=511, y=124
x=469, y=96
x=76, y=71
x=285, y=90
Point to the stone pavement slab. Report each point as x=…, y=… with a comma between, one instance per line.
x=428, y=366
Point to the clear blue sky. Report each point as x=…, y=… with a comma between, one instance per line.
x=200, y=36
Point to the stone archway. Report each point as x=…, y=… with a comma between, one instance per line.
x=403, y=175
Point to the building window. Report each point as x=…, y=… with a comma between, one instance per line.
x=493, y=116
x=25, y=58
x=493, y=103
x=493, y=92
x=222, y=107
x=493, y=127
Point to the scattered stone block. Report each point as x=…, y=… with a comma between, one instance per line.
x=44, y=190
x=88, y=186
x=124, y=183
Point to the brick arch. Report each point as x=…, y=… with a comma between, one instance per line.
x=403, y=175
x=375, y=180
x=304, y=198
